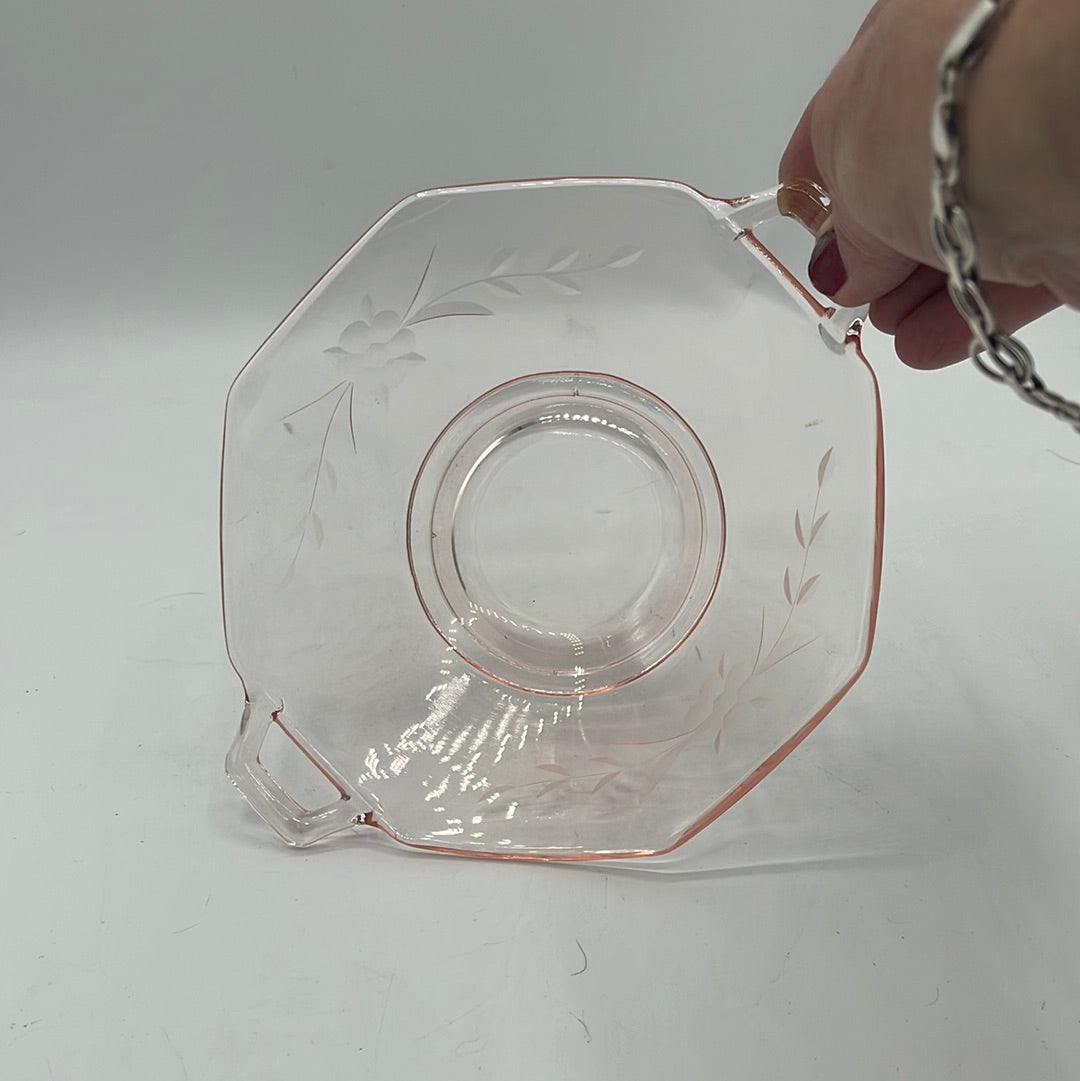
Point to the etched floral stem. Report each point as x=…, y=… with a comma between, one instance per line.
x=346, y=392
x=794, y=600
x=406, y=321
x=419, y=286
x=669, y=748
x=314, y=401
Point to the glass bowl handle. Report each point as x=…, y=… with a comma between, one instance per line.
x=808, y=204
x=294, y=823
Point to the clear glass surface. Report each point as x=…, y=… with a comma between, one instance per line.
x=551, y=522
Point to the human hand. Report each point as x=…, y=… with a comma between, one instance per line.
x=865, y=138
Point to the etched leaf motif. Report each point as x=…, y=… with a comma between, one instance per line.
x=808, y=588
x=563, y=282
x=562, y=259
x=624, y=257
x=367, y=309
x=502, y=261
x=504, y=285
x=447, y=309
x=659, y=770
x=824, y=464
x=336, y=349
x=317, y=529
x=288, y=427
x=331, y=475
x=726, y=698
x=352, y=425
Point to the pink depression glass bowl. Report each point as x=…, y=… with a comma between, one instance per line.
x=551, y=522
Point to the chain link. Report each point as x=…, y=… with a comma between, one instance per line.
x=997, y=353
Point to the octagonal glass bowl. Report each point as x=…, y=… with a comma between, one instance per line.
x=551, y=522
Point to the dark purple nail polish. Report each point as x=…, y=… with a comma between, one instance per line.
x=827, y=271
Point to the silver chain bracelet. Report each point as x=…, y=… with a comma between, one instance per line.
x=1000, y=355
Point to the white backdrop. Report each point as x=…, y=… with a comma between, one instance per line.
x=899, y=899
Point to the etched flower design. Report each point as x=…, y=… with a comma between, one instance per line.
x=376, y=351
x=377, y=337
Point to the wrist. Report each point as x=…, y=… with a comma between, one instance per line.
x=1021, y=168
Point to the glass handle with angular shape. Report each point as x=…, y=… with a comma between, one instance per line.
x=808, y=204
x=295, y=824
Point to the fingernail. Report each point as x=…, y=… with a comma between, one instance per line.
x=827, y=271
